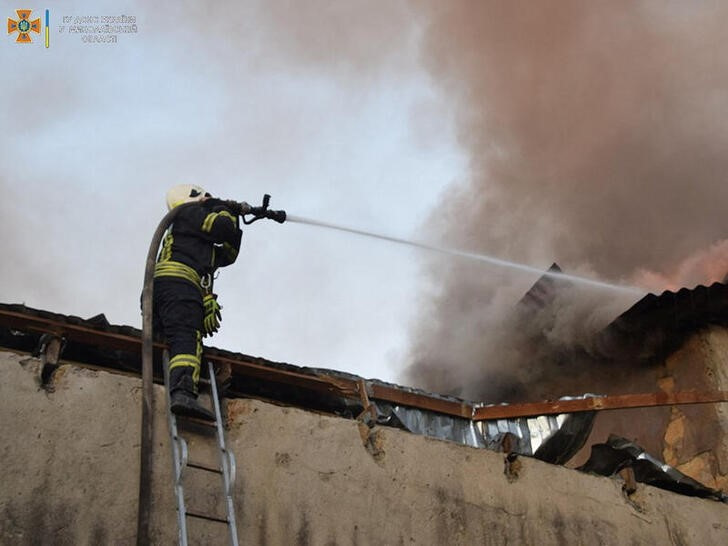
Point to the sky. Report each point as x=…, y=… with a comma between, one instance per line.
x=244, y=99
x=590, y=134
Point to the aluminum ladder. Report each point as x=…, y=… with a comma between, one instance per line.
x=181, y=463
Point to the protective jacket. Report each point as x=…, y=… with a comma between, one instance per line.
x=203, y=237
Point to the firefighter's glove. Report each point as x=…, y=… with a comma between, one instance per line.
x=211, y=322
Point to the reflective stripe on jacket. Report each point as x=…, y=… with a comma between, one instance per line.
x=202, y=238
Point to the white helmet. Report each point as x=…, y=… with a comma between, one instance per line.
x=184, y=193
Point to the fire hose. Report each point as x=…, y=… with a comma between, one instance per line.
x=242, y=209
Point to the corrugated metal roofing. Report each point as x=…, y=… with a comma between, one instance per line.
x=658, y=324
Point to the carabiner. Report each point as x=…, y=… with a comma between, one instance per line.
x=206, y=282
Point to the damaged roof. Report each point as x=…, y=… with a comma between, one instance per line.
x=543, y=291
x=657, y=325
x=553, y=433
x=97, y=343
x=652, y=327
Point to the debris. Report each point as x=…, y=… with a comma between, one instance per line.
x=619, y=453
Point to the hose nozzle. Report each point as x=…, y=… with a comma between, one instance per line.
x=264, y=212
x=277, y=215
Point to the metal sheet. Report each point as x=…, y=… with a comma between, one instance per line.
x=429, y=423
x=618, y=453
x=551, y=438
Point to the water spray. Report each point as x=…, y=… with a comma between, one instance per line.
x=281, y=216
x=468, y=255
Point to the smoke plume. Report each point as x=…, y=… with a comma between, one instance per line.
x=596, y=137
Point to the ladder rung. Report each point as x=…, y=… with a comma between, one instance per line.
x=208, y=517
x=201, y=466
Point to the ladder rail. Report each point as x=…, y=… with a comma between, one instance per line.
x=232, y=471
x=227, y=460
x=180, y=455
x=180, y=462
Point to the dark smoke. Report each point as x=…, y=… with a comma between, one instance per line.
x=596, y=135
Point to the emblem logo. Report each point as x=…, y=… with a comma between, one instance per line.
x=23, y=26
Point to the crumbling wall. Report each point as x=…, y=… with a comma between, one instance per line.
x=696, y=438
x=692, y=438
x=69, y=464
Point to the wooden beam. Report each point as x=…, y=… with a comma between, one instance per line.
x=102, y=338
x=74, y=332
x=324, y=384
x=421, y=401
x=612, y=402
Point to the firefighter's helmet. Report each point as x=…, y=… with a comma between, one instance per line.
x=184, y=193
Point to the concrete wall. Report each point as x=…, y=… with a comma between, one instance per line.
x=69, y=470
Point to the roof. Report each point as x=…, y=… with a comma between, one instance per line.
x=652, y=327
x=97, y=343
x=544, y=290
x=658, y=324
x=654, y=324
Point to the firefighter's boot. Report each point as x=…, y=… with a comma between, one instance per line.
x=183, y=394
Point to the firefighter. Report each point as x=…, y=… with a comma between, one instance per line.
x=203, y=237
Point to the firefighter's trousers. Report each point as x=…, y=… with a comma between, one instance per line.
x=179, y=313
